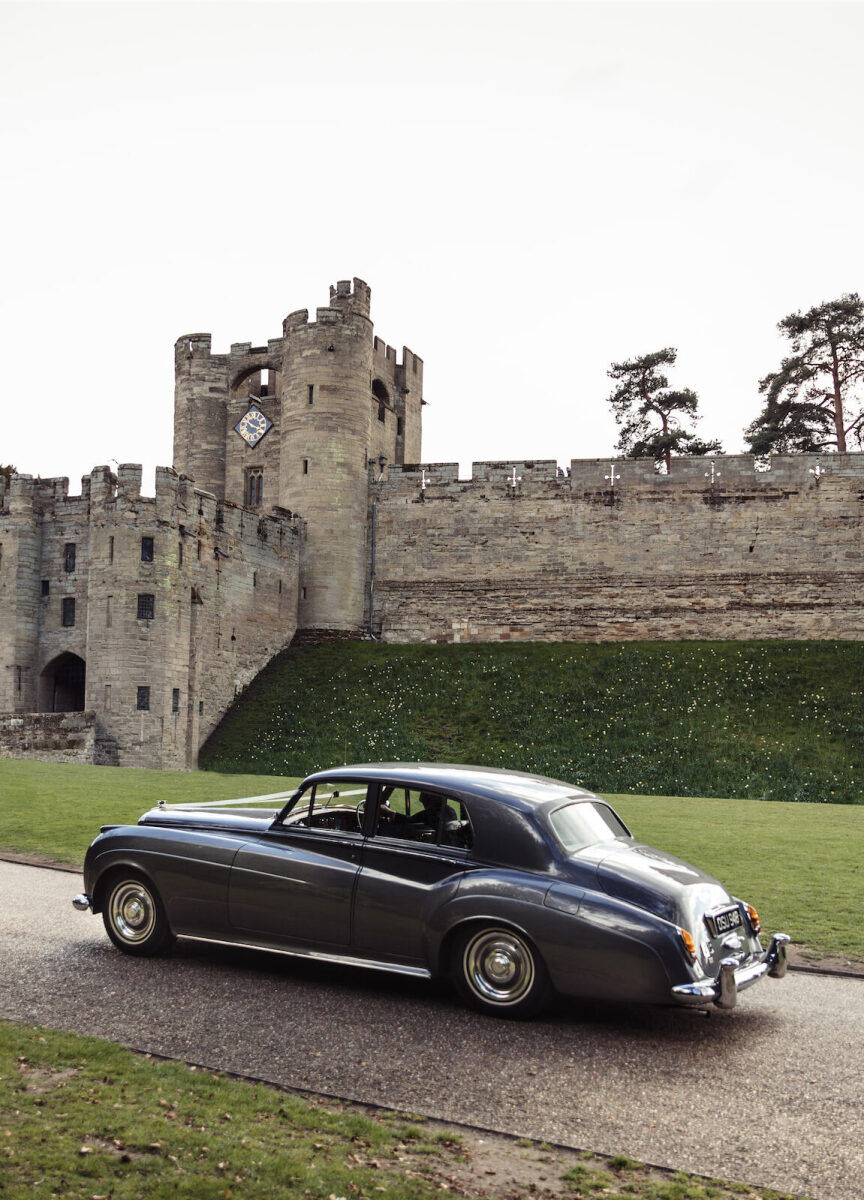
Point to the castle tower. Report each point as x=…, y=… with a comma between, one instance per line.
x=326, y=427
x=300, y=423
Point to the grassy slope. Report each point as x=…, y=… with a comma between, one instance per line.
x=763, y=720
x=798, y=863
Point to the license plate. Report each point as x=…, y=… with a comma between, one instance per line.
x=722, y=922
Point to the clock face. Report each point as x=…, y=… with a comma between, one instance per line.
x=252, y=426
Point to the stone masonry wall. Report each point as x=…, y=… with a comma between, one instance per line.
x=54, y=737
x=777, y=553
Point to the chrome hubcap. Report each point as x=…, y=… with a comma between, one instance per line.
x=133, y=913
x=499, y=967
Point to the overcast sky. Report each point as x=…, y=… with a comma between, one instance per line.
x=532, y=191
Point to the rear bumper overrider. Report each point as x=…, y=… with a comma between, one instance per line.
x=82, y=902
x=733, y=977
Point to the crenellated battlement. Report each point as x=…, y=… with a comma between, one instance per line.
x=117, y=497
x=730, y=473
x=357, y=297
x=410, y=363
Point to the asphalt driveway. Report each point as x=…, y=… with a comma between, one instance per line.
x=771, y=1093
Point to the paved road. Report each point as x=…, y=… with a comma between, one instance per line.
x=772, y=1093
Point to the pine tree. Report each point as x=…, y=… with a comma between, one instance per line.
x=814, y=402
x=650, y=413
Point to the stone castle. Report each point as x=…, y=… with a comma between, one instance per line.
x=298, y=504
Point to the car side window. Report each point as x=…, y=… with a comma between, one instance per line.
x=409, y=814
x=335, y=805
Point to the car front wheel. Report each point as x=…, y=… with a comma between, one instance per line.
x=498, y=971
x=134, y=916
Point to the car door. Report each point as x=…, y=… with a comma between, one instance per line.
x=295, y=883
x=412, y=863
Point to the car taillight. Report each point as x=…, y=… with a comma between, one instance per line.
x=755, y=924
x=689, y=944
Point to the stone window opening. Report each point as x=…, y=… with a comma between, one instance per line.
x=111, y=549
x=146, y=606
x=67, y=612
x=175, y=700
x=311, y=393
x=107, y=695
x=69, y=557
x=400, y=426
x=305, y=466
x=264, y=382
x=180, y=554
x=108, y=600
x=200, y=708
x=17, y=679
x=254, y=490
x=46, y=587
x=382, y=413
x=254, y=579
x=143, y=699
x=146, y=549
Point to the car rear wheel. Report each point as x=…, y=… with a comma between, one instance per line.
x=134, y=916
x=498, y=971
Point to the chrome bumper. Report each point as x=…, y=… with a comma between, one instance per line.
x=733, y=978
x=82, y=902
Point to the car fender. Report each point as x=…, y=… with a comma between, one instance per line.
x=592, y=944
x=188, y=868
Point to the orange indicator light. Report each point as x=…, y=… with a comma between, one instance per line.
x=689, y=944
x=754, y=918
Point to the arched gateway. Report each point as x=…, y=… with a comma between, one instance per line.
x=61, y=684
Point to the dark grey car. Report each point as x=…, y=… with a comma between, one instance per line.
x=513, y=885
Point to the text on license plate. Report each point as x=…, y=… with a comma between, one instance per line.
x=722, y=922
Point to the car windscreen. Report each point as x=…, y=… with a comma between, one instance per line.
x=585, y=822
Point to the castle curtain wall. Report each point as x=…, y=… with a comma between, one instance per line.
x=753, y=554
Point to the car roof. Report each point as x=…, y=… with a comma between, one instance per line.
x=516, y=788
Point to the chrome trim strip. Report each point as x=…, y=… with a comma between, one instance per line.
x=82, y=902
x=732, y=978
x=319, y=955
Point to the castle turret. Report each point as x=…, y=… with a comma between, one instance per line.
x=325, y=435
x=200, y=394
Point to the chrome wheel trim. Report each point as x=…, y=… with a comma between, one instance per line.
x=132, y=911
x=498, y=967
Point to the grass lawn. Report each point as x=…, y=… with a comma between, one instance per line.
x=55, y=809
x=87, y=1120
x=799, y=864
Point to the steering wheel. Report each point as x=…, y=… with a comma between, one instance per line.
x=361, y=814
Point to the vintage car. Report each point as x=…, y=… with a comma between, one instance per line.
x=512, y=885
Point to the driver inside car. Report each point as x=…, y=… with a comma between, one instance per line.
x=424, y=819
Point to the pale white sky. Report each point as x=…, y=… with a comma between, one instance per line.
x=532, y=190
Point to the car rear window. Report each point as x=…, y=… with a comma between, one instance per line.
x=585, y=822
